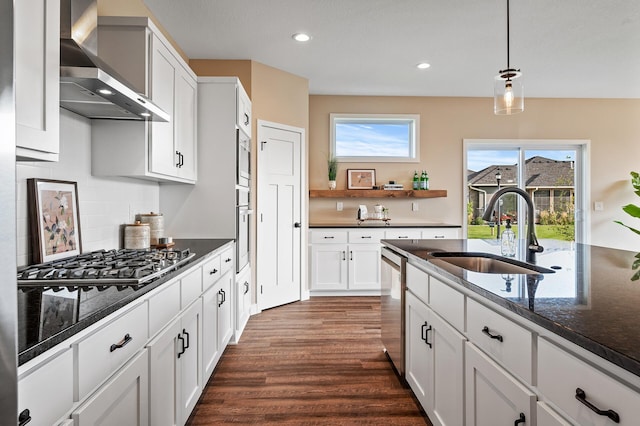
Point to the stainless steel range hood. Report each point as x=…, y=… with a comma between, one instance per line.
x=88, y=86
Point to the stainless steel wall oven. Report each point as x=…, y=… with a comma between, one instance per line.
x=392, y=313
x=243, y=197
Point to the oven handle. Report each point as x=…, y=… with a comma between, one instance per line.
x=245, y=212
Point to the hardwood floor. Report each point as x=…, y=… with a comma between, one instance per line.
x=314, y=362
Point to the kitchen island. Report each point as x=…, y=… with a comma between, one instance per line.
x=549, y=337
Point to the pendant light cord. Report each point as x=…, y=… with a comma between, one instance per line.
x=508, y=64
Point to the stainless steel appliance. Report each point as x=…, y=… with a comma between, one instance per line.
x=392, y=313
x=88, y=86
x=103, y=268
x=243, y=177
x=8, y=301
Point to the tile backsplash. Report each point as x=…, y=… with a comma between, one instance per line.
x=105, y=202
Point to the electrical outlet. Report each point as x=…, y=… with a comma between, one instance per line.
x=414, y=206
x=598, y=206
x=339, y=206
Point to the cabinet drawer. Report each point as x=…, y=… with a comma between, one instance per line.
x=328, y=237
x=47, y=390
x=548, y=417
x=190, y=287
x=447, y=302
x=368, y=236
x=98, y=356
x=560, y=374
x=211, y=272
x=418, y=283
x=440, y=233
x=226, y=261
x=511, y=344
x=163, y=306
x=402, y=234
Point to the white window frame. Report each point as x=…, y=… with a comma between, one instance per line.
x=582, y=173
x=414, y=137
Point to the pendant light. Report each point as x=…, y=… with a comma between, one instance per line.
x=508, y=96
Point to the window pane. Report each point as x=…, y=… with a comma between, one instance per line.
x=375, y=137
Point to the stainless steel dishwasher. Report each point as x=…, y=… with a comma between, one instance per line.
x=392, y=319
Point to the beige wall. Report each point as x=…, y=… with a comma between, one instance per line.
x=224, y=68
x=612, y=126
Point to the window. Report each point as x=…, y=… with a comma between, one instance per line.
x=375, y=137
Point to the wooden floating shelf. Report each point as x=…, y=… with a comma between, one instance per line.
x=376, y=193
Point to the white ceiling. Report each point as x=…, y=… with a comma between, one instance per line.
x=565, y=48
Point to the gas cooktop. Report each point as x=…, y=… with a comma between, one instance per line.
x=102, y=268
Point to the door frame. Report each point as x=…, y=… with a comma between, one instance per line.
x=304, y=203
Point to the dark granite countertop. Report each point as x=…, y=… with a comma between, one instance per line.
x=590, y=301
x=46, y=318
x=380, y=224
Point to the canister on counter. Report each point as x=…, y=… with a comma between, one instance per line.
x=156, y=225
x=137, y=236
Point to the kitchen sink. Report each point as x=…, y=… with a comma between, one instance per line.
x=487, y=263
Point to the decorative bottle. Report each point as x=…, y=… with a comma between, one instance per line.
x=416, y=181
x=508, y=241
x=426, y=180
x=423, y=182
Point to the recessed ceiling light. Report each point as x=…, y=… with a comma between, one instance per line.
x=145, y=114
x=301, y=37
x=105, y=92
x=423, y=65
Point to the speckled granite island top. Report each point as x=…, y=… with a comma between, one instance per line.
x=46, y=318
x=590, y=300
x=380, y=224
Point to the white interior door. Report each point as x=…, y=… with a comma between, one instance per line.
x=279, y=228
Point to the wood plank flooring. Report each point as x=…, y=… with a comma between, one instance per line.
x=316, y=362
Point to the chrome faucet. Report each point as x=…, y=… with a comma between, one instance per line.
x=532, y=241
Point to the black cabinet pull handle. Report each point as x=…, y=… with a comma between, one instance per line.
x=328, y=238
x=213, y=271
x=350, y=254
x=246, y=287
x=344, y=255
x=366, y=236
x=486, y=331
x=178, y=155
x=221, y=300
x=127, y=338
x=402, y=236
x=224, y=296
x=439, y=236
x=182, y=345
x=582, y=397
x=24, y=417
x=227, y=260
x=186, y=345
x=519, y=420
x=246, y=118
x=297, y=225
x=423, y=334
x=426, y=335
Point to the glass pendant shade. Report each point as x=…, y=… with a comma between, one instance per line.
x=508, y=94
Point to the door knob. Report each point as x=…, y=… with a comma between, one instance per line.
x=297, y=225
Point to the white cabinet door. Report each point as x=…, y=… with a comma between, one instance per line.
x=418, y=363
x=210, y=349
x=225, y=310
x=37, y=50
x=163, y=158
x=123, y=400
x=243, y=301
x=185, y=124
x=163, y=368
x=35, y=398
x=329, y=267
x=189, y=361
x=244, y=111
x=364, y=267
x=493, y=396
x=434, y=363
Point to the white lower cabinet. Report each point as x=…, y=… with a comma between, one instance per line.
x=36, y=401
x=122, y=400
x=243, y=301
x=217, y=325
x=176, y=379
x=493, y=396
x=434, y=363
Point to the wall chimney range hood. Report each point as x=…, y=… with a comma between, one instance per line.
x=88, y=86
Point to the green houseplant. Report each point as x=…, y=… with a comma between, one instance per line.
x=332, y=166
x=634, y=211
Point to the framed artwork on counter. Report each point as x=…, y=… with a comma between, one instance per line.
x=361, y=178
x=54, y=219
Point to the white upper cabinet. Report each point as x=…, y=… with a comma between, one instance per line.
x=163, y=151
x=37, y=50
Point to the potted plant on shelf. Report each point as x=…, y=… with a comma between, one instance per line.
x=332, y=165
